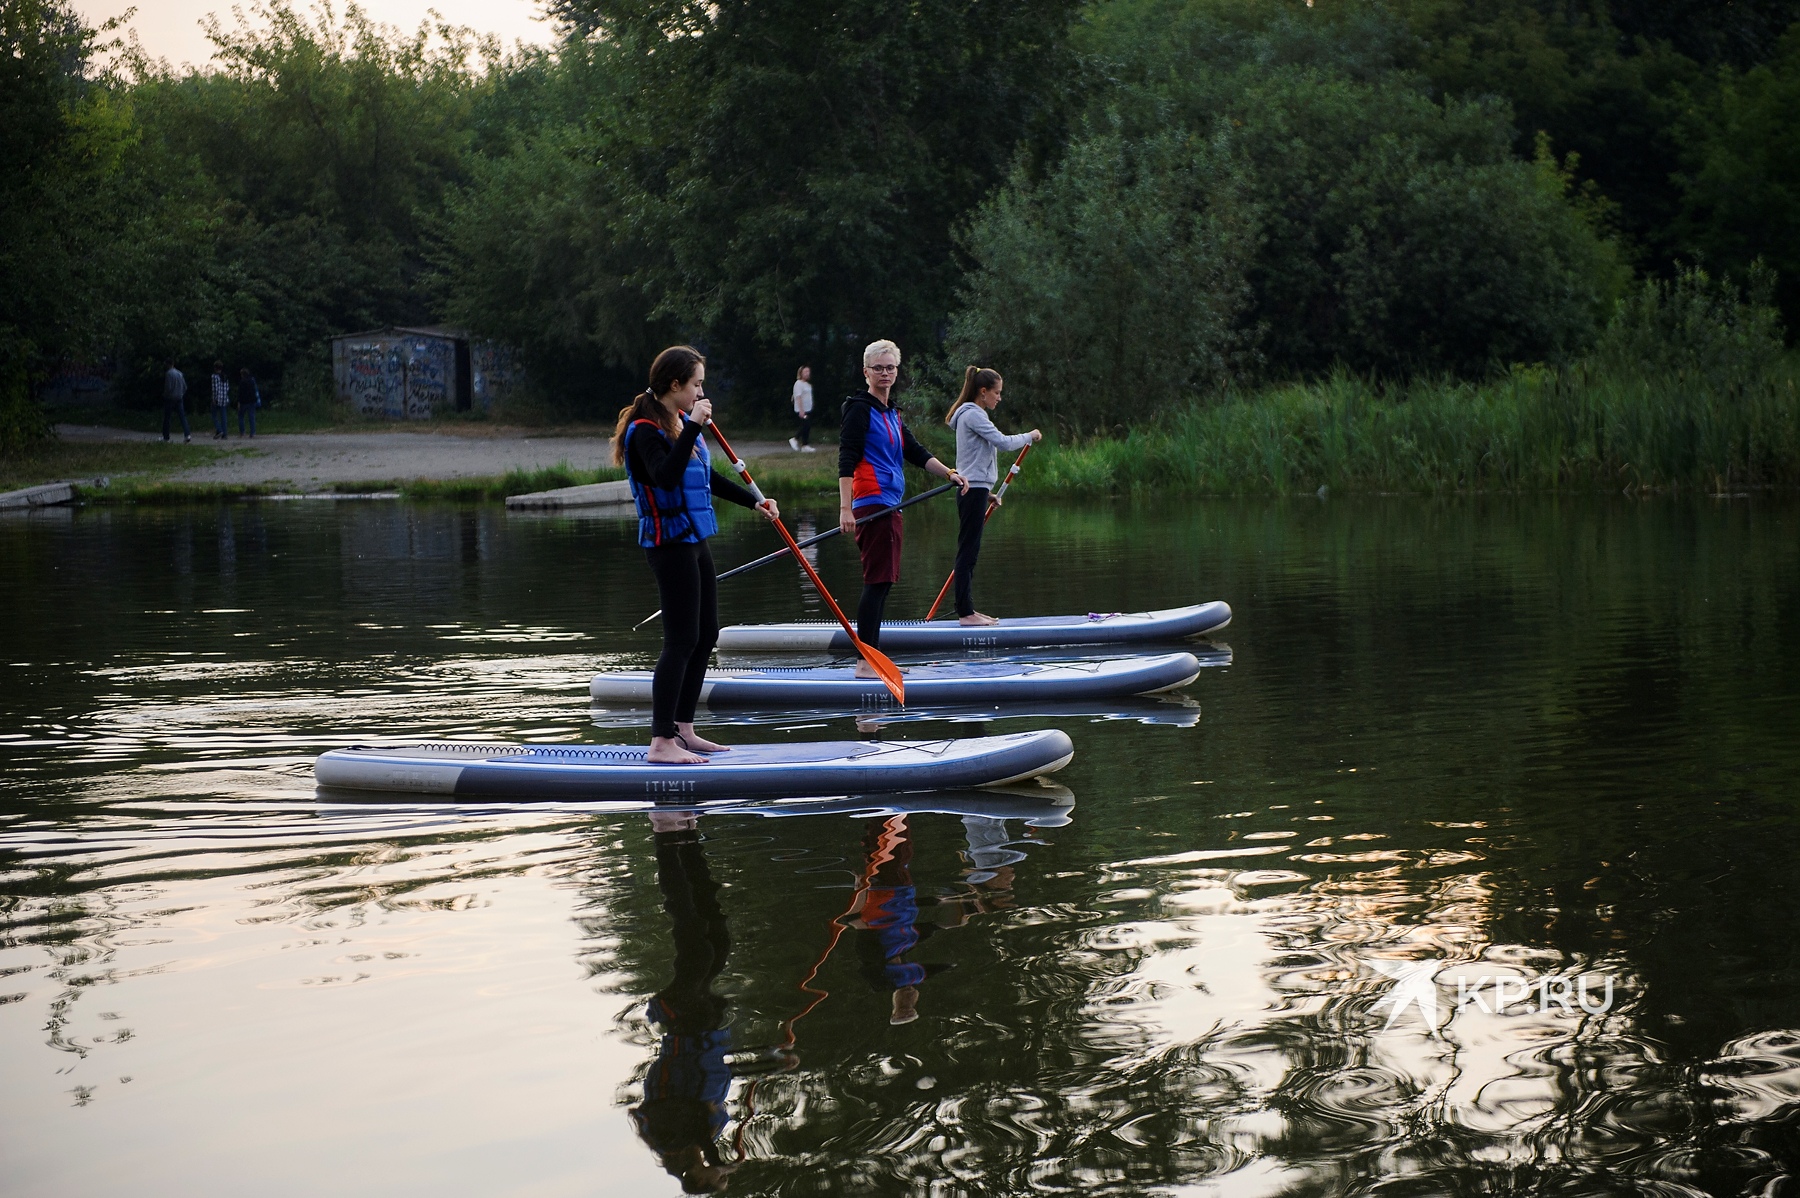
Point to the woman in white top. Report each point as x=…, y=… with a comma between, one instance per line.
x=803, y=409
x=978, y=443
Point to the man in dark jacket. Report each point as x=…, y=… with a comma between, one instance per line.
x=873, y=447
x=175, y=401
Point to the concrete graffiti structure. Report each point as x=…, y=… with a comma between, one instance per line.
x=416, y=373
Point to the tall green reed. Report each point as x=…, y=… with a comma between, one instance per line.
x=1689, y=388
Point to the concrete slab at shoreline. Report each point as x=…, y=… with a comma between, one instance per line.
x=43, y=495
x=591, y=495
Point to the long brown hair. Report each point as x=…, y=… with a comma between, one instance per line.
x=673, y=367
x=976, y=379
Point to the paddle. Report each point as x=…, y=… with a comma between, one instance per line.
x=993, y=502
x=833, y=531
x=889, y=672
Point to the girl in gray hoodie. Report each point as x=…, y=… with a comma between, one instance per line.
x=978, y=443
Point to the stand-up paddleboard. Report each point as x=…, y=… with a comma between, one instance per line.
x=947, y=682
x=1210, y=655
x=747, y=771
x=1013, y=632
x=1168, y=711
x=1040, y=803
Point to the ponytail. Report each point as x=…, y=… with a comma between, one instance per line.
x=976, y=379
x=673, y=367
x=643, y=406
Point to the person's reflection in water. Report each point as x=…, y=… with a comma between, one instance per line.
x=888, y=916
x=990, y=860
x=683, y=1112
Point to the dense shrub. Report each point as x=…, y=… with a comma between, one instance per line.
x=1118, y=277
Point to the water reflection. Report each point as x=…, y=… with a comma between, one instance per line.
x=1464, y=750
x=683, y=1112
x=892, y=921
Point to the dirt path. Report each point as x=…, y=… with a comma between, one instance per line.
x=320, y=461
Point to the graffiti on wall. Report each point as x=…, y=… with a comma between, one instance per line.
x=496, y=372
x=414, y=374
x=372, y=378
x=430, y=375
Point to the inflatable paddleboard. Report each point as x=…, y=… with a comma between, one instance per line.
x=1040, y=803
x=502, y=771
x=986, y=682
x=1015, y=632
x=1210, y=654
x=1170, y=711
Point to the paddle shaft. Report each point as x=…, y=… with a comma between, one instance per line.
x=890, y=673
x=833, y=531
x=993, y=503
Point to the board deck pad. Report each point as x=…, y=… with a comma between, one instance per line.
x=1012, y=632
x=806, y=768
x=943, y=683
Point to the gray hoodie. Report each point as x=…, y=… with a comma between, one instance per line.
x=977, y=443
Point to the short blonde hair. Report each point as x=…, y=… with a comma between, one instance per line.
x=876, y=348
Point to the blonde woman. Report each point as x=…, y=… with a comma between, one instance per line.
x=873, y=448
x=978, y=444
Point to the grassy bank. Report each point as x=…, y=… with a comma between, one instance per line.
x=1536, y=430
x=144, y=461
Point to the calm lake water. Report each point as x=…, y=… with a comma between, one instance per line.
x=1325, y=925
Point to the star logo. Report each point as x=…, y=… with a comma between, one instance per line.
x=1415, y=982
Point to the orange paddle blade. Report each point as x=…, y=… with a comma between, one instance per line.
x=889, y=672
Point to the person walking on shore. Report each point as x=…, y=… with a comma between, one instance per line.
x=873, y=447
x=175, y=401
x=249, y=399
x=803, y=406
x=658, y=441
x=221, y=402
x=978, y=443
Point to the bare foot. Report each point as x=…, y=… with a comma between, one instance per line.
x=976, y=619
x=688, y=737
x=866, y=672
x=667, y=750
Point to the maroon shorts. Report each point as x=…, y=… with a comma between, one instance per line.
x=878, y=542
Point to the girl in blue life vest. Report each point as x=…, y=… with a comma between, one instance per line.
x=659, y=443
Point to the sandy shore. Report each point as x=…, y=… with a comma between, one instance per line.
x=321, y=461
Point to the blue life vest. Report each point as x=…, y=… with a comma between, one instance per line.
x=879, y=479
x=683, y=514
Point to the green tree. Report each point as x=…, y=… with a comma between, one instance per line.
x=1119, y=276
x=1741, y=188
x=310, y=162
x=63, y=137
x=798, y=167
x=1392, y=233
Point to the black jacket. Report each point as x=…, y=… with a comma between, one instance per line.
x=854, y=435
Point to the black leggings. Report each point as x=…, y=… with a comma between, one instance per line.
x=972, y=508
x=690, y=615
x=868, y=612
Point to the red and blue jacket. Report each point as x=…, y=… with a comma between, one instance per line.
x=873, y=447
